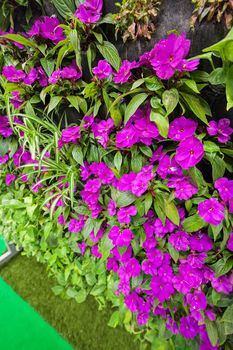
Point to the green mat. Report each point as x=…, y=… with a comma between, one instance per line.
x=3, y=246
x=21, y=328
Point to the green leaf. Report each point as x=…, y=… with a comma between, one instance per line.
x=217, y=76
x=114, y=320
x=81, y=296
x=48, y=65
x=227, y=316
x=172, y=212
x=173, y=252
x=218, y=167
x=78, y=154
x=211, y=147
x=110, y=53
x=20, y=39
x=65, y=8
x=89, y=226
x=191, y=84
x=212, y=331
x=170, y=99
x=161, y=122
x=153, y=83
x=134, y=104
x=223, y=266
x=197, y=105
x=229, y=90
x=118, y=160
x=148, y=202
x=122, y=199
x=54, y=101
x=74, y=102
x=193, y=223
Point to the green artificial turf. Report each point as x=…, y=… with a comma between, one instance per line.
x=3, y=247
x=81, y=324
x=22, y=328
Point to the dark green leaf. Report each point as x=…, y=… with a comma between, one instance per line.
x=134, y=104
x=193, y=223
x=110, y=53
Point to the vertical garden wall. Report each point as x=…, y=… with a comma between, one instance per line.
x=116, y=163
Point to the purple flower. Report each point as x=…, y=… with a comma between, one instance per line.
x=188, y=327
x=225, y=188
x=168, y=56
x=36, y=186
x=111, y=208
x=5, y=129
x=220, y=129
x=200, y=242
x=211, y=211
x=13, y=75
x=16, y=100
x=71, y=72
x=125, y=183
x=182, y=128
x=95, y=252
x=90, y=11
x=197, y=300
x=4, y=159
x=161, y=290
x=184, y=188
x=55, y=76
x=222, y=284
x=102, y=130
x=168, y=166
x=82, y=246
x=124, y=73
x=47, y=28
x=124, y=214
x=42, y=77
x=102, y=70
x=10, y=179
x=112, y=264
x=189, y=152
x=179, y=240
x=69, y=135
x=31, y=77
x=61, y=220
x=75, y=226
x=120, y=237
x=230, y=242
x=132, y=268
x=23, y=177
x=102, y=171
x=132, y=302
x=126, y=138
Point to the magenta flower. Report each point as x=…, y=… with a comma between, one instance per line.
x=132, y=302
x=126, y=181
x=88, y=121
x=69, y=135
x=124, y=214
x=161, y=290
x=200, y=242
x=4, y=159
x=220, y=129
x=61, y=220
x=197, y=300
x=188, y=327
x=71, y=72
x=103, y=172
x=111, y=208
x=42, y=77
x=112, y=264
x=230, y=242
x=225, y=188
x=120, y=237
x=55, y=76
x=182, y=128
x=168, y=166
x=13, y=75
x=103, y=70
x=16, y=99
x=76, y=226
x=124, y=73
x=211, y=211
x=222, y=284
x=126, y=138
x=5, y=129
x=189, y=152
x=31, y=77
x=183, y=186
x=90, y=11
x=47, y=28
x=36, y=187
x=82, y=246
x=10, y=178
x=179, y=240
x=95, y=252
x=169, y=54
x=23, y=177
x=102, y=130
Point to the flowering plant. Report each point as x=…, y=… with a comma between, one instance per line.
x=132, y=202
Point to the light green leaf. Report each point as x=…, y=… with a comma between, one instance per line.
x=161, y=122
x=193, y=223
x=54, y=101
x=197, y=105
x=78, y=154
x=134, y=104
x=114, y=320
x=110, y=53
x=48, y=65
x=212, y=331
x=170, y=99
x=122, y=199
x=65, y=8
x=172, y=212
x=118, y=160
x=20, y=39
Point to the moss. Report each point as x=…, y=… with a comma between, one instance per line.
x=81, y=324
